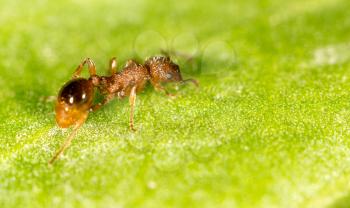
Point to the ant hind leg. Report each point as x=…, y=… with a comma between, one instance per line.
x=91, y=67
x=69, y=139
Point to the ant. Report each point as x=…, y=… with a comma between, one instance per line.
x=75, y=99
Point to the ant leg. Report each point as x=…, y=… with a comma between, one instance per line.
x=104, y=102
x=193, y=81
x=132, y=100
x=113, y=65
x=69, y=139
x=91, y=66
x=159, y=87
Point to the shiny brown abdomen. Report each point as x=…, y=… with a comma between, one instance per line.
x=74, y=102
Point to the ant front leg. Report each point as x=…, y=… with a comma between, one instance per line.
x=158, y=87
x=193, y=81
x=91, y=67
x=132, y=100
x=113, y=65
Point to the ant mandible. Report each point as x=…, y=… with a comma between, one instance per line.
x=75, y=99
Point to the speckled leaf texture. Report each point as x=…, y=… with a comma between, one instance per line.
x=269, y=125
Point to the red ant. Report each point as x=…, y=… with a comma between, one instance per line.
x=75, y=99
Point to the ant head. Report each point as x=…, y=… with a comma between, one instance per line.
x=163, y=69
x=172, y=71
x=73, y=102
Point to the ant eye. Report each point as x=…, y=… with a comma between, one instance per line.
x=168, y=75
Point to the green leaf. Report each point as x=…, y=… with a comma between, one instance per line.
x=268, y=126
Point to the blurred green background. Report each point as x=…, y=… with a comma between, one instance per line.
x=268, y=127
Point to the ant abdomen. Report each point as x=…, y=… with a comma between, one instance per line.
x=74, y=102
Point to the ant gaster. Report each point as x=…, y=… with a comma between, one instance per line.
x=75, y=99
